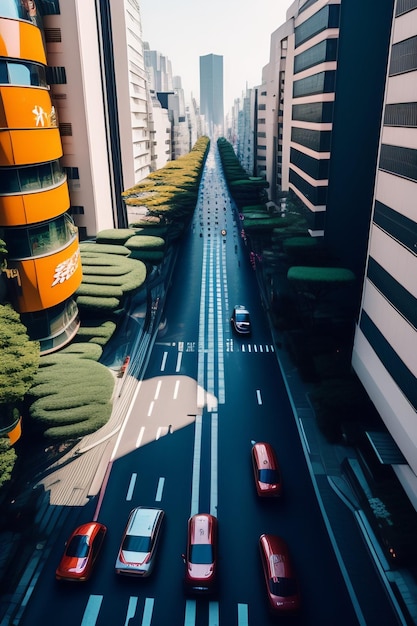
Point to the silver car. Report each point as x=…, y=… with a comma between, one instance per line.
x=140, y=539
x=241, y=320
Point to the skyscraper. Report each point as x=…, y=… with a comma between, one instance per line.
x=211, y=91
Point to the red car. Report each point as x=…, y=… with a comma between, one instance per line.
x=81, y=551
x=266, y=470
x=281, y=583
x=201, y=557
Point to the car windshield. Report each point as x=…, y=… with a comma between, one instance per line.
x=135, y=543
x=78, y=547
x=201, y=553
x=242, y=317
x=283, y=587
x=269, y=476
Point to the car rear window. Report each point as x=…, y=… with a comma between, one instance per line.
x=283, y=587
x=135, y=543
x=242, y=317
x=269, y=476
x=78, y=547
x=201, y=553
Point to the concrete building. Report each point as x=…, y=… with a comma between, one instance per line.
x=98, y=85
x=211, y=93
x=385, y=346
x=342, y=137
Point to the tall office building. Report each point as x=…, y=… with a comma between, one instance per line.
x=385, y=346
x=211, y=93
x=98, y=85
x=342, y=136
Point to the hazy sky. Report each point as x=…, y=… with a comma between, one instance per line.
x=239, y=30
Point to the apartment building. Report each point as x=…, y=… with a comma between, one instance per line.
x=43, y=261
x=98, y=84
x=385, y=345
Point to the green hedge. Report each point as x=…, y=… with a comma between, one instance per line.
x=141, y=242
x=91, y=303
x=114, y=235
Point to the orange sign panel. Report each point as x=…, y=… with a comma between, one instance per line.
x=45, y=281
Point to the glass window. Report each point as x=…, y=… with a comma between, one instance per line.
x=318, y=112
x=401, y=114
x=30, y=178
x=327, y=17
x=13, y=73
x=9, y=181
x=399, y=160
x=403, y=6
x=317, y=140
x=403, y=56
x=49, y=7
x=323, y=51
x=45, y=175
x=396, y=225
x=323, y=82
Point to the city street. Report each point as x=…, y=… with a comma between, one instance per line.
x=184, y=445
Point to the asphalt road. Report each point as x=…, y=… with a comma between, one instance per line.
x=185, y=446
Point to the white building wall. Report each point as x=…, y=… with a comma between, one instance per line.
x=79, y=103
x=399, y=194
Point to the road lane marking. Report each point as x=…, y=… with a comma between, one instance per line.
x=195, y=487
x=242, y=615
x=213, y=614
x=179, y=359
x=140, y=437
x=151, y=408
x=258, y=395
x=213, y=464
x=131, y=486
x=160, y=489
x=92, y=610
x=147, y=611
x=158, y=389
x=177, y=386
x=164, y=360
x=131, y=609
x=190, y=613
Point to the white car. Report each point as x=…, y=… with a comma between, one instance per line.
x=140, y=539
x=240, y=320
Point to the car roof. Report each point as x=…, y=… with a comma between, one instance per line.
x=277, y=553
x=264, y=454
x=142, y=521
x=201, y=522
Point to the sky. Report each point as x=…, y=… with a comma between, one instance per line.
x=239, y=30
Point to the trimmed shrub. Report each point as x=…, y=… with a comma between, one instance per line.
x=7, y=461
x=114, y=235
x=150, y=256
x=102, y=291
x=91, y=303
x=141, y=242
x=102, y=248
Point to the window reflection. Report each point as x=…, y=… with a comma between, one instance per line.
x=31, y=178
x=21, y=9
x=22, y=73
x=25, y=242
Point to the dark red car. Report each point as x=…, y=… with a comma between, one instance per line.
x=201, y=557
x=281, y=584
x=266, y=470
x=81, y=551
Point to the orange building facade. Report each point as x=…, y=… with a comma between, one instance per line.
x=43, y=267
